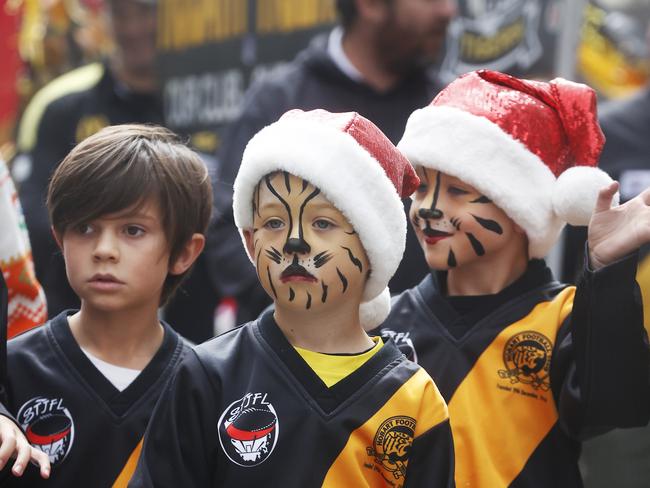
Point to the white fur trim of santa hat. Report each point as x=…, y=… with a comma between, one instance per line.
x=347, y=175
x=478, y=152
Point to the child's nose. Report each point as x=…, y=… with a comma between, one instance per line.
x=296, y=246
x=105, y=248
x=430, y=213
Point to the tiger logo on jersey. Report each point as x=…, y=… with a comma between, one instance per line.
x=392, y=445
x=48, y=426
x=248, y=430
x=527, y=357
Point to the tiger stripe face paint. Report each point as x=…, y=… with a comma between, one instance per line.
x=307, y=255
x=456, y=224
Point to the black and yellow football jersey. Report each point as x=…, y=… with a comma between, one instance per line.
x=531, y=371
x=245, y=409
x=67, y=408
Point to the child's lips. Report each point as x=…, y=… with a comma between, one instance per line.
x=432, y=236
x=296, y=273
x=106, y=282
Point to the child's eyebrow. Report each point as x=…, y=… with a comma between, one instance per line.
x=272, y=204
x=134, y=215
x=321, y=206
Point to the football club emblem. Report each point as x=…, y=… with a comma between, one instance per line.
x=527, y=357
x=248, y=430
x=48, y=426
x=392, y=445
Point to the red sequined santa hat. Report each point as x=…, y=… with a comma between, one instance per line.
x=358, y=170
x=531, y=147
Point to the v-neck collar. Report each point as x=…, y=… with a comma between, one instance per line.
x=118, y=402
x=508, y=304
x=328, y=399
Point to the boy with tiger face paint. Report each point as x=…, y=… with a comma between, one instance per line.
x=318, y=203
x=528, y=366
x=307, y=255
x=463, y=231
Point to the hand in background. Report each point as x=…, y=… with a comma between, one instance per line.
x=615, y=232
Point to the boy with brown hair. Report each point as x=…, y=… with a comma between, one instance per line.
x=128, y=206
x=528, y=366
x=303, y=397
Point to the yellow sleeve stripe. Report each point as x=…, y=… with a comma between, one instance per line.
x=417, y=399
x=75, y=81
x=123, y=479
x=643, y=279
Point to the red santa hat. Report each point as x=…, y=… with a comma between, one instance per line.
x=531, y=147
x=357, y=169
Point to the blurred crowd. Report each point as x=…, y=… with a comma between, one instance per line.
x=76, y=66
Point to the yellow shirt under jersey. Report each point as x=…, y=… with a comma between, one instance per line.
x=332, y=368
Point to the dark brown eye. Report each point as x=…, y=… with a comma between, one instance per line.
x=134, y=230
x=84, y=228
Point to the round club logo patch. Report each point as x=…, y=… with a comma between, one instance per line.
x=527, y=357
x=48, y=426
x=392, y=445
x=248, y=430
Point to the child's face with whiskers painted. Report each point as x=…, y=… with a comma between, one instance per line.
x=456, y=224
x=306, y=253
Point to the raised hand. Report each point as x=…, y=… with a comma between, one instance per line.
x=14, y=444
x=615, y=232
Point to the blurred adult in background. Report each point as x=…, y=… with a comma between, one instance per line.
x=621, y=458
x=376, y=62
x=119, y=90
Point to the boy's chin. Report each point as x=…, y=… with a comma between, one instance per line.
x=437, y=262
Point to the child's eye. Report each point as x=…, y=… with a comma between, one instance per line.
x=454, y=190
x=322, y=224
x=134, y=231
x=84, y=229
x=422, y=188
x=274, y=224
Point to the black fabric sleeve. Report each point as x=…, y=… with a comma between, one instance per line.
x=180, y=444
x=600, y=372
x=431, y=460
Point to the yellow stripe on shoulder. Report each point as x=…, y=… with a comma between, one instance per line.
x=75, y=81
x=378, y=450
x=123, y=479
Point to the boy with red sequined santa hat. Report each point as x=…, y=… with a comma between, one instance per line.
x=528, y=366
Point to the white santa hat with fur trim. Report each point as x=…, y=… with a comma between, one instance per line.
x=531, y=147
x=358, y=170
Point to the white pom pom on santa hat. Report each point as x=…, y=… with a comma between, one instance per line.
x=575, y=193
x=373, y=312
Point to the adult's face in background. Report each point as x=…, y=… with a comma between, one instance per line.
x=412, y=32
x=133, y=24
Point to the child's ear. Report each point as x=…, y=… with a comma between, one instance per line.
x=57, y=238
x=188, y=254
x=250, y=248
